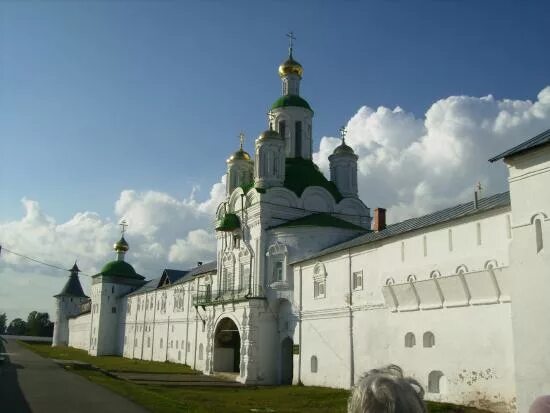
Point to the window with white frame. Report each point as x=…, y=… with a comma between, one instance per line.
x=277, y=254
x=319, y=280
x=358, y=280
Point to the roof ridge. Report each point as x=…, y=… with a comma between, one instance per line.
x=412, y=224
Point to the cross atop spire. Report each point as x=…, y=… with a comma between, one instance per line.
x=241, y=139
x=343, y=132
x=123, y=224
x=291, y=39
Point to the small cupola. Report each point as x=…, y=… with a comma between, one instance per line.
x=343, y=168
x=240, y=169
x=269, y=170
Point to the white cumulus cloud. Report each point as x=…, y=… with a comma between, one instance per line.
x=413, y=165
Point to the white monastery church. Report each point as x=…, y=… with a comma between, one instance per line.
x=309, y=287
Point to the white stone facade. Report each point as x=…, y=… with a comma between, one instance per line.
x=459, y=303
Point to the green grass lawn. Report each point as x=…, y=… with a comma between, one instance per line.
x=165, y=399
x=110, y=363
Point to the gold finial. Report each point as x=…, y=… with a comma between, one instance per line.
x=241, y=139
x=291, y=39
x=343, y=132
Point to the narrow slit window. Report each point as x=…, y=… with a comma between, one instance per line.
x=450, y=240
x=508, y=227
x=538, y=235
x=425, y=245
x=478, y=233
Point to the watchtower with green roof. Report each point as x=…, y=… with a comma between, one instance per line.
x=116, y=279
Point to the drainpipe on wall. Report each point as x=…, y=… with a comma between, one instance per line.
x=167, y=339
x=187, y=321
x=154, y=326
x=300, y=330
x=196, y=328
x=91, y=323
x=350, y=306
x=135, y=328
x=143, y=329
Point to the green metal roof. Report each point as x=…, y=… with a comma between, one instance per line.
x=228, y=222
x=119, y=269
x=301, y=173
x=320, y=220
x=291, y=100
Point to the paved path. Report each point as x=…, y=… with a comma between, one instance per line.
x=32, y=384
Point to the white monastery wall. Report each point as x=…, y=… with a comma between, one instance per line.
x=529, y=182
x=468, y=314
x=156, y=330
x=79, y=331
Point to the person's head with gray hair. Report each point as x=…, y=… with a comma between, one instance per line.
x=385, y=390
x=540, y=405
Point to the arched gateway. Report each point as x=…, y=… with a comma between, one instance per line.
x=227, y=347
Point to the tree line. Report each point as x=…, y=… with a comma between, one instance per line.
x=37, y=324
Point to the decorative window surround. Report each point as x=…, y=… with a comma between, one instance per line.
x=319, y=280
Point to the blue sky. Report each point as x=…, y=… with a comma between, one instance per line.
x=100, y=96
x=112, y=109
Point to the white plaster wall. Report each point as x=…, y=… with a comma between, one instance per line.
x=479, y=372
x=529, y=182
x=79, y=328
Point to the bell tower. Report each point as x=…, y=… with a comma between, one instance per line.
x=292, y=115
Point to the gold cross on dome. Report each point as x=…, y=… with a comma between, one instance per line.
x=291, y=39
x=123, y=224
x=241, y=139
x=343, y=132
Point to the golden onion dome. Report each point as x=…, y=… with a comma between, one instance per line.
x=343, y=148
x=290, y=66
x=240, y=155
x=269, y=134
x=121, y=245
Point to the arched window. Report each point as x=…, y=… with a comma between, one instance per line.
x=538, y=234
x=314, y=364
x=435, y=274
x=436, y=382
x=461, y=269
x=411, y=278
x=428, y=339
x=390, y=281
x=491, y=264
x=201, y=351
x=410, y=340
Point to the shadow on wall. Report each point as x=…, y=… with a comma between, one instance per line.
x=11, y=396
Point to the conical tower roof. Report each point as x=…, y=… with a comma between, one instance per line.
x=73, y=288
